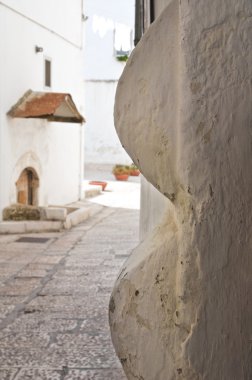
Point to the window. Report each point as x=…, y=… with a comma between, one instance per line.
x=144, y=16
x=122, y=41
x=47, y=72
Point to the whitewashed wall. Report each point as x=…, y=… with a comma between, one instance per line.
x=60, y=16
x=153, y=203
x=102, y=71
x=53, y=149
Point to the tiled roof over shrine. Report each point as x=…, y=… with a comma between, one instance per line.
x=47, y=105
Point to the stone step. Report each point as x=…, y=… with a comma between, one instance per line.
x=91, y=191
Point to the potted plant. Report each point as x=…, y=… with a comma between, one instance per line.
x=134, y=171
x=121, y=172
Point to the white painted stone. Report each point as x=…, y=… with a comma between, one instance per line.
x=182, y=305
x=22, y=227
x=42, y=226
x=92, y=190
x=12, y=228
x=55, y=213
x=76, y=217
x=153, y=206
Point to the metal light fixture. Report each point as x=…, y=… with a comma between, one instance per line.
x=84, y=17
x=38, y=49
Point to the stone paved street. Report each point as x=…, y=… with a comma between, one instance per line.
x=54, y=298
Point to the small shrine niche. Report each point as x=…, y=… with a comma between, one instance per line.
x=27, y=187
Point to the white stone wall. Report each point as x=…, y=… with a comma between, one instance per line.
x=102, y=71
x=181, y=307
x=60, y=16
x=53, y=149
x=153, y=203
x=102, y=144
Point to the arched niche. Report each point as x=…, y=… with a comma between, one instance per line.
x=27, y=187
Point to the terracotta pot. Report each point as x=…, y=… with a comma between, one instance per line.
x=134, y=172
x=121, y=177
x=99, y=183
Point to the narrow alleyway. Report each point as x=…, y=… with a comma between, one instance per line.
x=54, y=298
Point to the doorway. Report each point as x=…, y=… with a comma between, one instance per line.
x=27, y=187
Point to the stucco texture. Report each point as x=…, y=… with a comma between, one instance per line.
x=181, y=307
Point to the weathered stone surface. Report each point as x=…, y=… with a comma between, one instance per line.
x=53, y=213
x=21, y=212
x=181, y=307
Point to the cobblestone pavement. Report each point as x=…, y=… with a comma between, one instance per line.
x=54, y=299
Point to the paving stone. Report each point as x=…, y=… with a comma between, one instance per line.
x=90, y=350
x=47, y=259
x=54, y=312
x=11, y=300
x=35, y=270
x=5, y=310
x=104, y=374
x=23, y=340
x=39, y=374
x=11, y=357
x=39, y=323
x=8, y=374
x=19, y=287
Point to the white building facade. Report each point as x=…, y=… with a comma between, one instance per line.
x=41, y=49
x=109, y=36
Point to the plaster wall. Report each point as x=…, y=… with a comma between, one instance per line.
x=53, y=149
x=102, y=71
x=153, y=203
x=58, y=16
x=152, y=207
x=159, y=6
x=181, y=307
x=102, y=144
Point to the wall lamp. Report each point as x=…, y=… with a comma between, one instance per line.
x=38, y=49
x=84, y=17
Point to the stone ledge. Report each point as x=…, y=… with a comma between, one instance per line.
x=76, y=217
x=72, y=219
x=22, y=227
x=53, y=213
x=92, y=190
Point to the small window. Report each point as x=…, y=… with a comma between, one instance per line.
x=122, y=41
x=47, y=73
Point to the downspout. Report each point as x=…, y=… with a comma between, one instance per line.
x=1, y=159
x=139, y=20
x=81, y=160
x=1, y=131
x=81, y=130
x=152, y=11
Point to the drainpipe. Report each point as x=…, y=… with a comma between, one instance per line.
x=1, y=164
x=2, y=122
x=139, y=20
x=81, y=162
x=152, y=11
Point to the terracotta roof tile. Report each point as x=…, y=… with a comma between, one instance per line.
x=47, y=105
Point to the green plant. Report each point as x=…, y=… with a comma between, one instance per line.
x=121, y=169
x=122, y=58
x=133, y=166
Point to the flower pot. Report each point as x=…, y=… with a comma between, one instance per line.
x=99, y=183
x=121, y=177
x=134, y=172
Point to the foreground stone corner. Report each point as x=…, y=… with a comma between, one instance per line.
x=181, y=307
